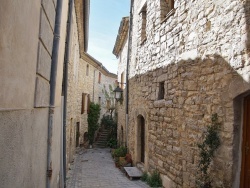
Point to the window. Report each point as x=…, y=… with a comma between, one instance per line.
x=88, y=106
x=87, y=70
x=171, y=4
x=85, y=103
x=167, y=9
x=99, y=100
x=143, y=14
x=161, y=91
x=99, y=79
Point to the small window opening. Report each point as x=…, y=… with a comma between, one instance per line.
x=99, y=79
x=87, y=70
x=143, y=23
x=161, y=91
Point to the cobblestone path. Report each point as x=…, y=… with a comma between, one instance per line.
x=95, y=168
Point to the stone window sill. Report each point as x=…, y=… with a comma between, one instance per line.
x=171, y=13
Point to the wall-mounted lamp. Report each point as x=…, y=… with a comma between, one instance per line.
x=118, y=93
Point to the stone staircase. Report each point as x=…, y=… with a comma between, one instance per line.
x=101, y=142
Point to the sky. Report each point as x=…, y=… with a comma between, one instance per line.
x=104, y=22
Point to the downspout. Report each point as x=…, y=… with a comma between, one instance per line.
x=65, y=88
x=53, y=76
x=128, y=59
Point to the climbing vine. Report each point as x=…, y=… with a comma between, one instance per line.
x=93, y=118
x=207, y=148
x=109, y=96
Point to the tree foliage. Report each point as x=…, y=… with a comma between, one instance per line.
x=93, y=118
x=207, y=148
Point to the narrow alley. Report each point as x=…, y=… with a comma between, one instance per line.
x=164, y=83
x=96, y=168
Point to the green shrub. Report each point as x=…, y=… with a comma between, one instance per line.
x=207, y=148
x=120, y=152
x=93, y=118
x=108, y=122
x=154, y=180
x=144, y=176
x=112, y=142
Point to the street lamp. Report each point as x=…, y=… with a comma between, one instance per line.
x=118, y=93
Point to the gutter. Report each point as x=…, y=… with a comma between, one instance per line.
x=65, y=88
x=128, y=60
x=53, y=76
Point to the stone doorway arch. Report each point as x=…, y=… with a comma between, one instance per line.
x=140, y=118
x=141, y=139
x=241, y=134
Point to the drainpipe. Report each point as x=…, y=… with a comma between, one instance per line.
x=53, y=76
x=128, y=59
x=65, y=84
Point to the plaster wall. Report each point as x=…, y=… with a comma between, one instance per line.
x=19, y=29
x=23, y=148
x=25, y=56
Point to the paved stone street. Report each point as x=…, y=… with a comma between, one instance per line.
x=96, y=168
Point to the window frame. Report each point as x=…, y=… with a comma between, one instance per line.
x=167, y=9
x=87, y=70
x=143, y=15
x=161, y=92
x=99, y=77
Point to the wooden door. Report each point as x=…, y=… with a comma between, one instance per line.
x=245, y=172
x=77, y=133
x=142, y=140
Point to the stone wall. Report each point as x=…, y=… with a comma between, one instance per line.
x=121, y=107
x=73, y=105
x=199, y=53
x=83, y=86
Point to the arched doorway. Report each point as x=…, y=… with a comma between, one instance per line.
x=245, y=167
x=141, y=139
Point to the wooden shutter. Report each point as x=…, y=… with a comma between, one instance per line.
x=171, y=4
x=88, y=103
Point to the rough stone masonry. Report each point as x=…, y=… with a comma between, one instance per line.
x=197, y=52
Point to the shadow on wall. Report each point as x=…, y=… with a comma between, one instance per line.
x=194, y=90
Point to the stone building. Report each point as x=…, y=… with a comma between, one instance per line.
x=87, y=81
x=120, y=51
x=33, y=36
x=189, y=60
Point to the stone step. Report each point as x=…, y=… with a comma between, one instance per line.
x=101, y=143
x=102, y=139
x=102, y=135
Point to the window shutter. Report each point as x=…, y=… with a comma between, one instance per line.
x=88, y=103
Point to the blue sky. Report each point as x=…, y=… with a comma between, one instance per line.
x=104, y=22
